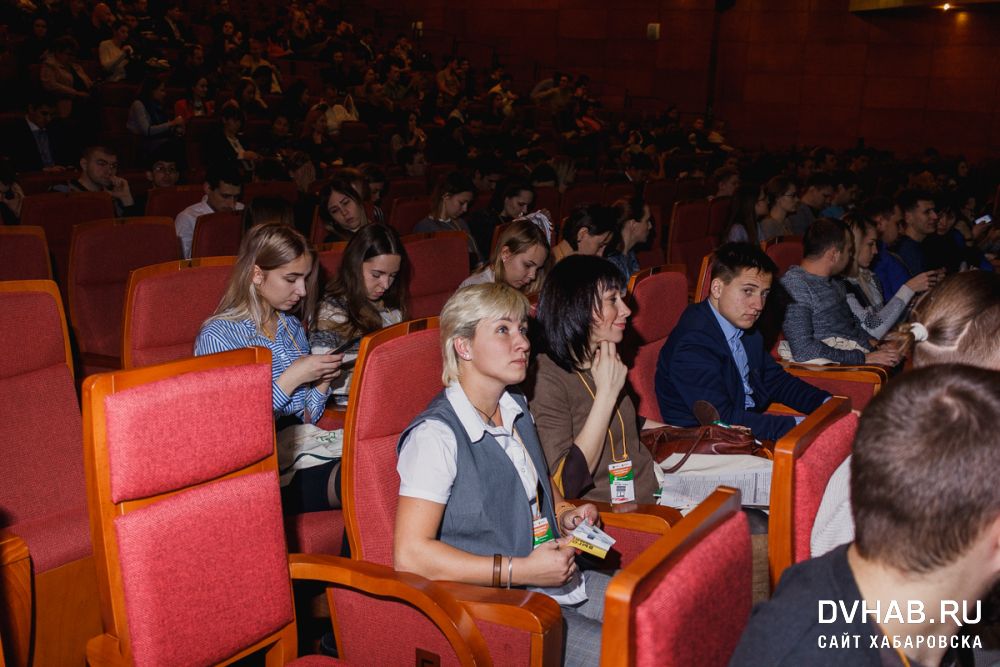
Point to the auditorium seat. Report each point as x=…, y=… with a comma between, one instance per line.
x=520, y=628
x=165, y=306
x=217, y=234
x=286, y=190
x=329, y=255
x=406, y=212
x=171, y=201
x=718, y=215
x=786, y=251
x=687, y=238
x=24, y=254
x=191, y=559
x=49, y=608
x=57, y=213
x=687, y=600
x=580, y=193
x=804, y=460
x=658, y=296
x=704, y=285
x=859, y=383
x=102, y=255
x=439, y=262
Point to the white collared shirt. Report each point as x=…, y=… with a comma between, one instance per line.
x=428, y=458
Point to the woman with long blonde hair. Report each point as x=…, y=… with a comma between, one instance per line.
x=520, y=259
x=270, y=292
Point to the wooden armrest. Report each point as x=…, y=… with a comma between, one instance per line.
x=858, y=373
x=515, y=608
x=429, y=597
x=643, y=518
x=15, y=598
x=105, y=650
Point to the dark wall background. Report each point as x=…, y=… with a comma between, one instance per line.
x=789, y=71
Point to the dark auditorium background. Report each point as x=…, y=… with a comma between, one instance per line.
x=789, y=71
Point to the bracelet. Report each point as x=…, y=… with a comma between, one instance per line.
x=497, y=561
x=562, y=508
x=510, y=570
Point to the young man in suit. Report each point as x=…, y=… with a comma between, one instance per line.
x=714, y=354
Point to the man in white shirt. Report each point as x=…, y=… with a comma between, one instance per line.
x=222, y=189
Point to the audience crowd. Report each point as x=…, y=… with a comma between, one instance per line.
x=130, y=99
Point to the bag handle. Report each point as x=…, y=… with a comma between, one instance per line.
x=697, y=441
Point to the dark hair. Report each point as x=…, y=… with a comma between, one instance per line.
x=338, y=183
x=570, y=296
x=406, y=155
x=775, y=188
x=233, y=112
x=163, y=153
x=908, y=199
x=640, y=161
x=7, y=173
x=732, y=258
x=923, y=467
x=451, y=184
x=507, y=189
x=823, y=234
x=263, y=210
x=819, y=179
x=742, y=211
x=348, y=286
x=89, y=151
x=241, y=86
x=223, y=172
x=597, y=220
x=875, y=207
x=723, y=174
x=149, y=84
x=845, y=178
x=39, y=97
x=628, y=208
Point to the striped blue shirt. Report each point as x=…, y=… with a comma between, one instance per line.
x=289, y=343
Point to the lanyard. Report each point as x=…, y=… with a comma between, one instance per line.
x=611, y=438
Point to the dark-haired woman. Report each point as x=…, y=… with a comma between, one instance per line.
x=342, y=210
x=148, y=119
x=449, y=204
x=196, y=103
x=588, y=232
x=586, y=422
x=634, y=224
x=510, y=200
x=366, y=295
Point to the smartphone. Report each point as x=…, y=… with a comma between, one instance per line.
x=986, y=219
x=343, y=347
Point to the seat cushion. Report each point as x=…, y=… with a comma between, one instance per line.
x=56, y=539
x=315, y=532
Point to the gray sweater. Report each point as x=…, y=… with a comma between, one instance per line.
x=818, y=309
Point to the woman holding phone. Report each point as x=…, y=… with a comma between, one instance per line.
x=366, y=295
x=269, y=293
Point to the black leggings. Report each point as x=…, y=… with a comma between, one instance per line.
x=307, y=492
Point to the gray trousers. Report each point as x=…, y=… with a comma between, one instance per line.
x=582, y=623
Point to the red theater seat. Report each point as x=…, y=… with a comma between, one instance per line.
x=439, y=262
x=24, y=254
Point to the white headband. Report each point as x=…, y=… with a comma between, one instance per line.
x=919, y=332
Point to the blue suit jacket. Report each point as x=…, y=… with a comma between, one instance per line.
x=696, y=364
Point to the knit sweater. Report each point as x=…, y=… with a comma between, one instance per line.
x=864, y=296
x=817, y=310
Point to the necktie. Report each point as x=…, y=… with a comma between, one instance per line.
x=44, y=150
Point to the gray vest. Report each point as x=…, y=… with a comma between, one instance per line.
x=488, y=511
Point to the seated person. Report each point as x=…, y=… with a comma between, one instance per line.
x=99, y=173
x=816, y=196
x=844, y=195
x=588, y=231
x=864, y=293
x=449, y=203
x=919, y=222
x=887, y=266
x=956, y=323
x=476, y=447
x=634, y=226
x=923, y=538
x=520, y=259
x=714, y=354
x=366, y=295
x=818, y=322
x=511, y=199
x=161, y=173
x=585, y=419
x=342, y=210
x=270, y=289
x=222, y=190
x=38, y=142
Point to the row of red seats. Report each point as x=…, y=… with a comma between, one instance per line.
x=702, y=563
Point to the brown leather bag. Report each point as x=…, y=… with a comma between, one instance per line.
x=665, y=441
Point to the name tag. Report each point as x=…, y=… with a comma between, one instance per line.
x=621, y=477
x=541, y=532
